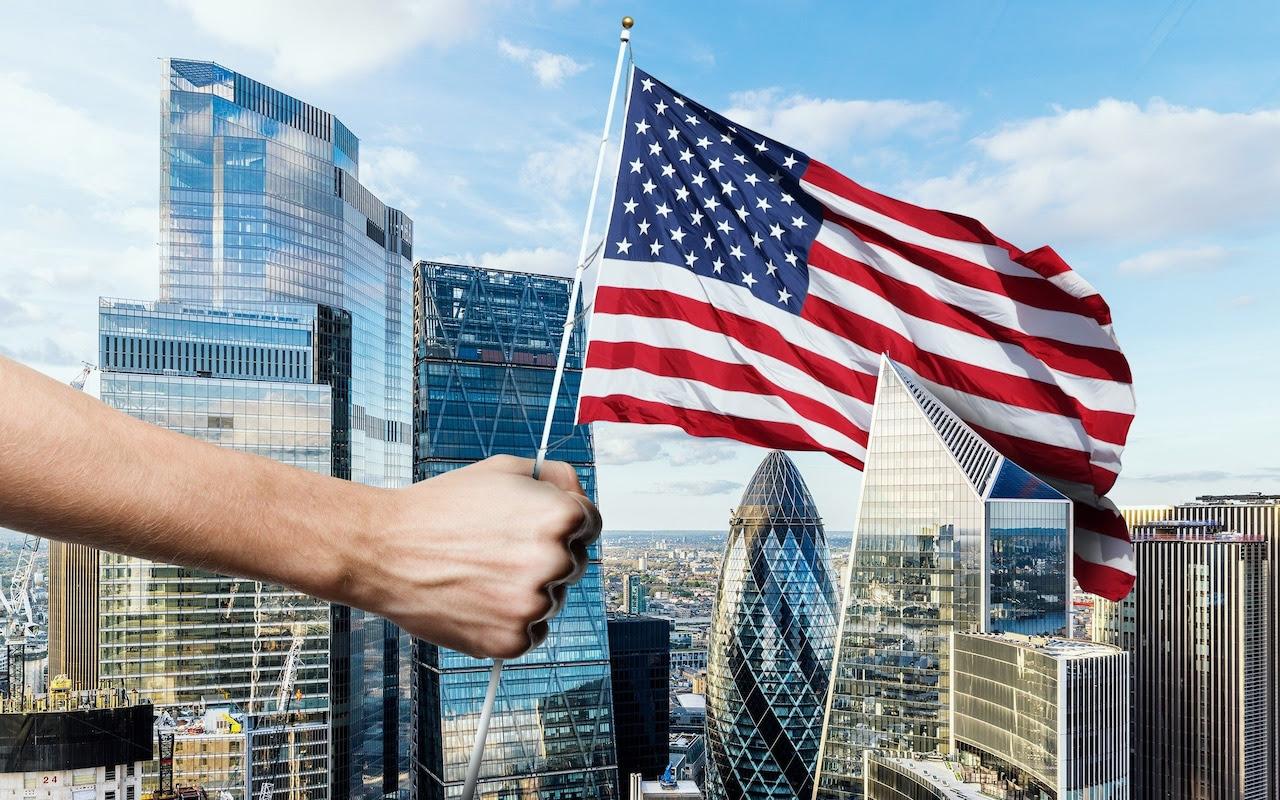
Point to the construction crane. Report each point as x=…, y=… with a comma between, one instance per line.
x=284, y=700
x=79, y=380
x=19, y=618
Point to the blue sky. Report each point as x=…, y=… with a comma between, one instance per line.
x=1140, y=140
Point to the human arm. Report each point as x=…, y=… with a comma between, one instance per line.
x=476, y=560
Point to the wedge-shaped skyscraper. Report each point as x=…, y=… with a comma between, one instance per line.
x=952, y=536
x=772, y=641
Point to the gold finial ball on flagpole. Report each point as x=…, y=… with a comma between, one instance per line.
x=627, y=22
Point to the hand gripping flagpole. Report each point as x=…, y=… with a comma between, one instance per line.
x=495, y=672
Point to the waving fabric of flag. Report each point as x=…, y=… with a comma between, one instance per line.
x=749, y=291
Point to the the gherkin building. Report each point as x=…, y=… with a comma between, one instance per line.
x=772, y=641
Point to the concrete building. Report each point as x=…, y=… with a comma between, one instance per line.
x=77, y=745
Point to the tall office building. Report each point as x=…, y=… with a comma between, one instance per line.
x=771, y=641
x=640, y=664
x=283, y=328
x=1199, y=625
x=240, y=378
x=1045, y=717
x=635, y=595
x=73, y=613
x=486, y=344
x=951, y=536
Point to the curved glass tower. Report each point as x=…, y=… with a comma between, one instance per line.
x=772, y=641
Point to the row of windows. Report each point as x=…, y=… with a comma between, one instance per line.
x=224, y=360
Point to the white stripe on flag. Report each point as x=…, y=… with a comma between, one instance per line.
x=677, y=393
x=1001, y=309
x=969, y=348
x=677, y=334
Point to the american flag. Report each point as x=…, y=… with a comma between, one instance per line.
x=748, y=292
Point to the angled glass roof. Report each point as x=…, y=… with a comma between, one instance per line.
x=976, y=458
x=1015, y=483
x=777, y=493
x=990, y=472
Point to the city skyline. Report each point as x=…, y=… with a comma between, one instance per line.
x=480, y=124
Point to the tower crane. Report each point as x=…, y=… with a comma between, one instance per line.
x=284, y=700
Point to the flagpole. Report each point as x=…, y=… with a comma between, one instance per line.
x=627, y=22
x=495, y=672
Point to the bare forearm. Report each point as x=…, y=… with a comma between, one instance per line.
x=73, y=469
x=478, y=559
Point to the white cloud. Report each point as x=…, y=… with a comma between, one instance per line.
x=321, y=40
x=550, y=69
x=1179, y=259
x=21, y=312
x=47, y=138
x=537, y=260
x=1122, y=172
x=692, y=488
x=45, y=351
x=824, y=126
x=563, y=169
x=619, y=445
x=394, y=174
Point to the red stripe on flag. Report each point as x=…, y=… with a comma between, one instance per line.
x=759, y=336
x=773, y=435
x=935, y=223
x=1029, y=290
x=676, y=363
x=1107, y=426
x=1062, y=463
x=1102, y=580
x=1091, y=362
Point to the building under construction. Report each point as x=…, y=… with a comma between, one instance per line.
x=74, y=745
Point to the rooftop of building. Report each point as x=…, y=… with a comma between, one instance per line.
x=683, y=790
x=939, y=773
x=1059, y=648
x=1250, y=499
x=693, y=702
x=682, y=741
x=63, y=696
x=1176, y=530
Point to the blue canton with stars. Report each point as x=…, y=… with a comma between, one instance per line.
x=696, y=191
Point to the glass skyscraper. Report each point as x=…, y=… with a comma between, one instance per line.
x=239, y=377
x=486, y=344
x=284, y=328
x=951, y=536
x=771, y=642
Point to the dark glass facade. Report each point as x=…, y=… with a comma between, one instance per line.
x=951, y=536
x=772, y=637
x=640, y=663
x=486, y=344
